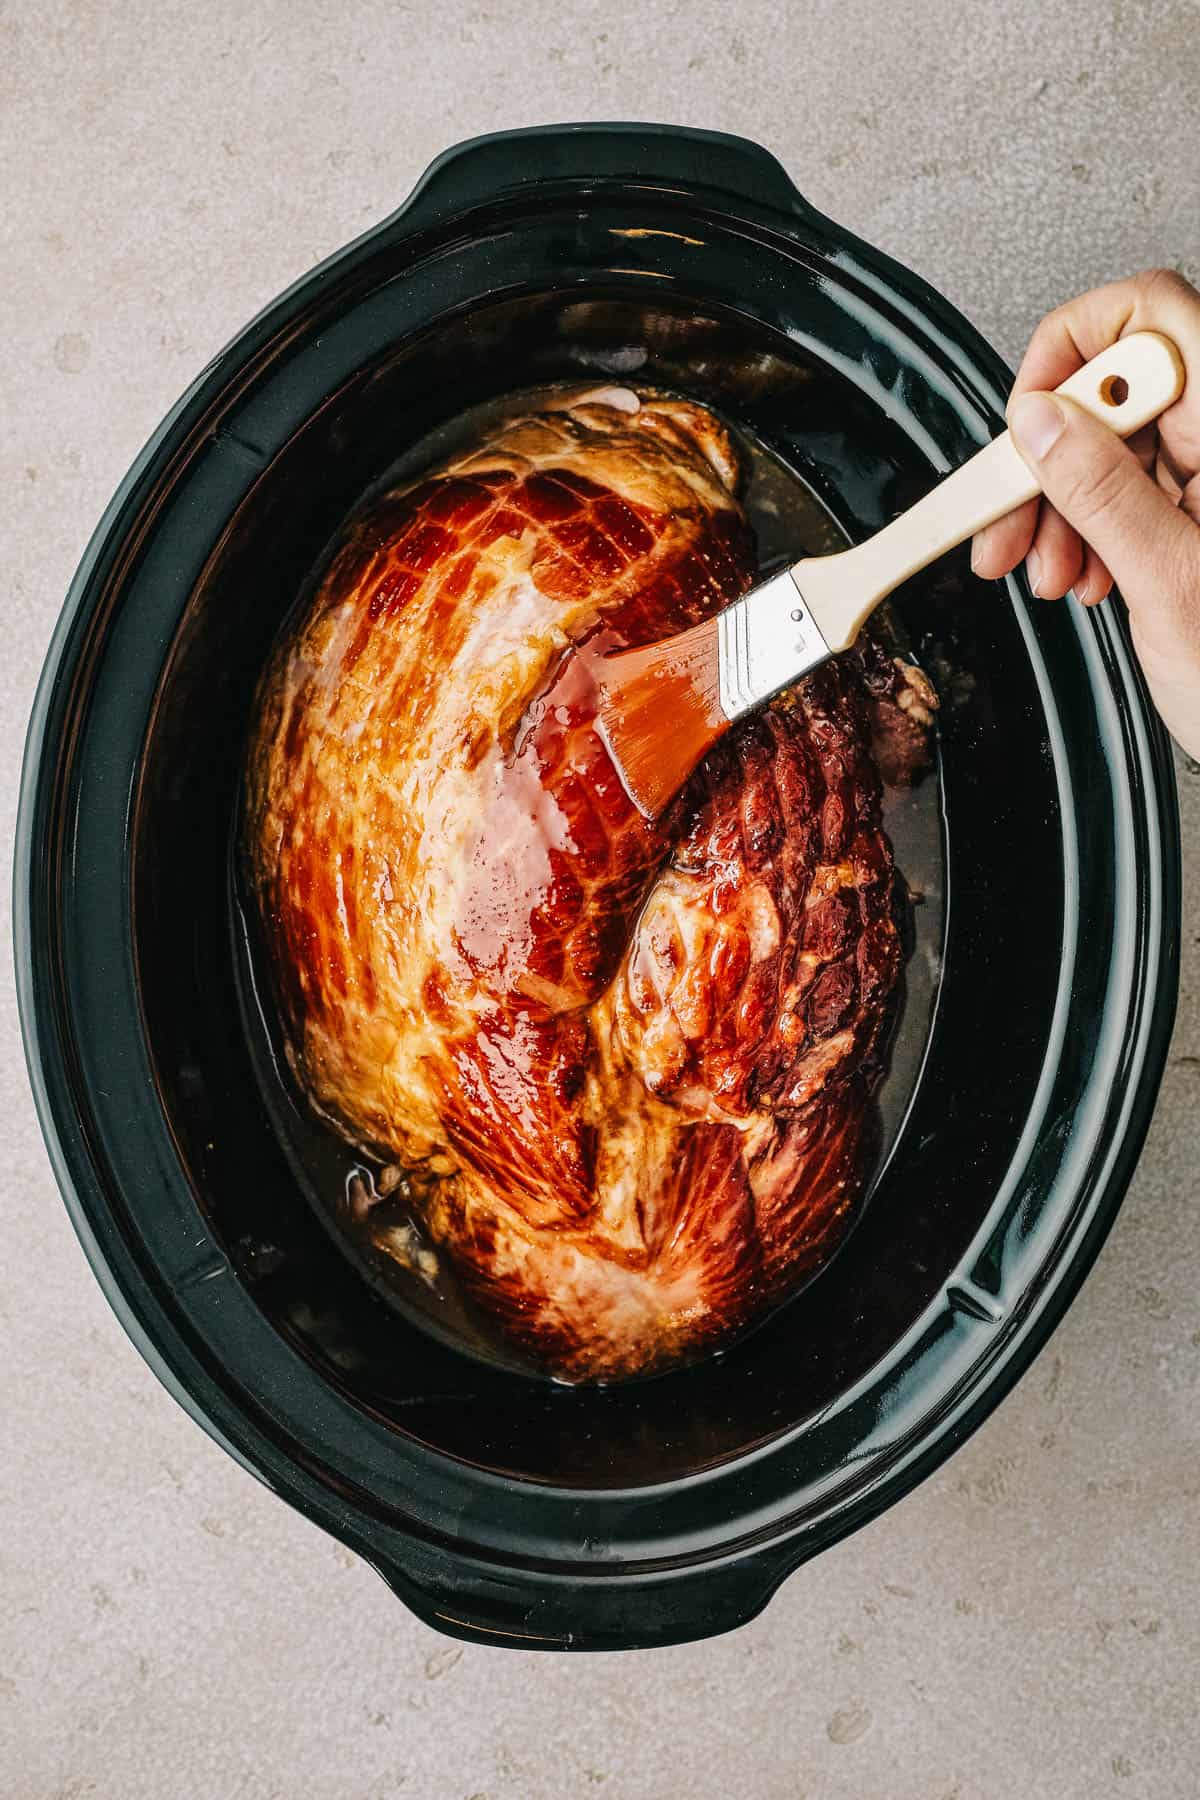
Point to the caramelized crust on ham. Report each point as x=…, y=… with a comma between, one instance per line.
x=626, y=1065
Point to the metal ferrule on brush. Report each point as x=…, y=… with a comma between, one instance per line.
x=765, y=642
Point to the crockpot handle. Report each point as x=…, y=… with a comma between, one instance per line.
x=534, y=1611
x=487, y=169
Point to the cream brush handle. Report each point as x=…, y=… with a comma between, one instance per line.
x=1126, y=386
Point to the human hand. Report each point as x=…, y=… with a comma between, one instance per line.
x=1112, y=510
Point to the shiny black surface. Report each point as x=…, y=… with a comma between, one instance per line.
x=496, y=1508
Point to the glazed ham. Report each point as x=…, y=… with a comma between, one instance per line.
x=626, y=1066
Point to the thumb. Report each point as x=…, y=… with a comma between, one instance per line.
x=1100, y=488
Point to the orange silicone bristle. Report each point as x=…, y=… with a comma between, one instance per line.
x=659, y=711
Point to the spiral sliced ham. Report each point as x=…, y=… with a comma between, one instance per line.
x=626, y=1066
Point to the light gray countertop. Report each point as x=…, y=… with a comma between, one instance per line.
x=1026, y=1623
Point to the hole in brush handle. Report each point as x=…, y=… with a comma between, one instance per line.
x=1130, y=383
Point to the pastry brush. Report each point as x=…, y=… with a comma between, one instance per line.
x=663, y=705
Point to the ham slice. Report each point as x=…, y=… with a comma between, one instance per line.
x=626, y=1066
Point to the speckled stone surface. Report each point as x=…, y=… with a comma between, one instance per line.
x=1028, y=1622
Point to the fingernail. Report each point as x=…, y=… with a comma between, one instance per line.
x=1037, y=422
x=976, y=554
x=1033, y=566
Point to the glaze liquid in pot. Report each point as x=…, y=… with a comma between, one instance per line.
x=396, y=1257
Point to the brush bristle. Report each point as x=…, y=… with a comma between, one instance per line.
x=660, y=710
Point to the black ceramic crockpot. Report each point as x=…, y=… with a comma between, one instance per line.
x=499, y=1507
